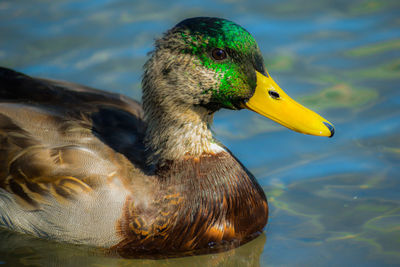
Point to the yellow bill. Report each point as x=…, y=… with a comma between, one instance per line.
x=272, y=102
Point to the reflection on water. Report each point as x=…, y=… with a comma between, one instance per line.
x=339, y=215
x=18, y=249
x=333, y=201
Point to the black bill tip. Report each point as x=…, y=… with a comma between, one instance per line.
x=331, y=128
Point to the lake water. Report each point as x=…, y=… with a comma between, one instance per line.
x=334, y=202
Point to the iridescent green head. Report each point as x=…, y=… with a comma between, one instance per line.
x=214, y=59
x=202, y=65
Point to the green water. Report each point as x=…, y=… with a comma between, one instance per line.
x=334, y=202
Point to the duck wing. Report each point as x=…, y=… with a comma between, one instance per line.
x=62, y=139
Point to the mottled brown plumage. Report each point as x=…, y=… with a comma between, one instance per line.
x=202, y=203
x=89, y=167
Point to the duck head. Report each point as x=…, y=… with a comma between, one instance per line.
x=204, y=64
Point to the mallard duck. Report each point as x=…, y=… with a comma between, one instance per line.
x=84, y=166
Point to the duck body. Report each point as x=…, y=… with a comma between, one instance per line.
x=72, y=170
x=84, y=166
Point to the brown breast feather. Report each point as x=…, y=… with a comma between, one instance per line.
x=203, y=204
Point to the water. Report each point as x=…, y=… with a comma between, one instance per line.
x=333, y=201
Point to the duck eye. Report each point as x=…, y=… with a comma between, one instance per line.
x=274, y=94
x=218, y=54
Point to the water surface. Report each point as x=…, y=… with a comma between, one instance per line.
x=333, y=201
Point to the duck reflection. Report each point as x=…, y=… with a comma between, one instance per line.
x=23, y=250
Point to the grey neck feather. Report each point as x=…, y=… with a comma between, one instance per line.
x=177, y=125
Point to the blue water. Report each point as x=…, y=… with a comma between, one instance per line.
x=333, y=201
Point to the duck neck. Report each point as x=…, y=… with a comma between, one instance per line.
x=177, y=123
x=178, y=132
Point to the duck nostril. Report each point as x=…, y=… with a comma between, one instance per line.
x=274, y=94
